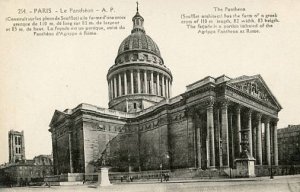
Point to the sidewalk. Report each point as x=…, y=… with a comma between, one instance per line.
x=193, y=180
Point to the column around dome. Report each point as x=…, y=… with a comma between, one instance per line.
x=145, y=81
x=139, y=81
x=152, y=84
x=120, y=85
x=168, y=88
x=115, y=86
x=111, y=89
x=109, y=95
x=163, y=86
x=125, y=83
x=131, y=81
x=157, y=84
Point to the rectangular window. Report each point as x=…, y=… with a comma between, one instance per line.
x=16, y=150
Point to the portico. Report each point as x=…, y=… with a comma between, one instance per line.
x=229, y=112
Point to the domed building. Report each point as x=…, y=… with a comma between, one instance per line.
x=139, y=78
x=146, y=130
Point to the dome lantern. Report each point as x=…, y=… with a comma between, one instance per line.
x=138, y=21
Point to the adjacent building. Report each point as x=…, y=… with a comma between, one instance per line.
x=19, y=170
x=146, y=128
x=289, y=145
x=25, y=171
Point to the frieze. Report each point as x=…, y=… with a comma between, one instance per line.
x=252, y=88
x=175, y=117
x=249, y=102
x=247, y=97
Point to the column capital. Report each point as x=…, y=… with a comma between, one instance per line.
x=275, y=120
x=258, y=116
x=249, y=113
x=190, y=111
x=210, y=102
x=238, y=108
x=267, y=119
x=224, y=103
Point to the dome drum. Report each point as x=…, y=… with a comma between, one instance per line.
x=139, y=81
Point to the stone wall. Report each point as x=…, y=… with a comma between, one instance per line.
x=96, y=138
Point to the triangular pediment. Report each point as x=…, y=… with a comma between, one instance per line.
x=256, y=87
x=57, y=116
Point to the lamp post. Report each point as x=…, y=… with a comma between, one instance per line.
x=160, y=166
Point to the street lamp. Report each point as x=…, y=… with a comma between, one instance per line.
x=160, y=166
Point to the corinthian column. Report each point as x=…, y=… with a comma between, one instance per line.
x=152, y=83
x=70, y=153
x=112, y=88
x=139, y=81
x=157, y=85
x=131, y=82
x=225, y=141
x=258, y=141
x=238, y=126
x=109, y=94
x=125, y=83
x=168, y=88
x=250, y=132
x=267, y=139
x=198, y=142
x=120, y=85
x=145, y=81
x=210, y=135
x=163, y=86
x=115, y=87
x=275, y=143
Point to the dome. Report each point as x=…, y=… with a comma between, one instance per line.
x=138, y=79
x=139, y=41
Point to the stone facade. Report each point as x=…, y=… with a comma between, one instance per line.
x=289, y=145
x=25, y=171
x=147, y=129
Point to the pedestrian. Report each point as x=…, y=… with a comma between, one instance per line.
x=121, y=178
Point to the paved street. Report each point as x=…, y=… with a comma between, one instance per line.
x=280, y=184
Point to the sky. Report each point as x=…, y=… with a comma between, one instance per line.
x=41, y=74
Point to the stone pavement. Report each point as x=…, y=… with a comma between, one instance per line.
x=264, y=184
